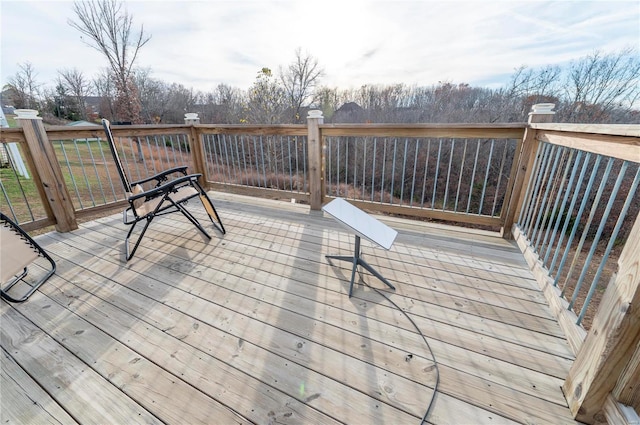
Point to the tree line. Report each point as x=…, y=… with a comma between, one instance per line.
x=598, y=88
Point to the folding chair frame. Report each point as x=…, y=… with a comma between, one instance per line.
x=161, y=196
x=5, y=221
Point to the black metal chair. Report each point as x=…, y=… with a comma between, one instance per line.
x=18, y=253
x=166, y=197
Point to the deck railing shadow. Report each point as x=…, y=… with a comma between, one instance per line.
x=567, y=195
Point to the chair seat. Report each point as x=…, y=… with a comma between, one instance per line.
x=182, y=193
x=15, y=254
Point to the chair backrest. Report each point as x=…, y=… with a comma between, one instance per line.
x=114, y=151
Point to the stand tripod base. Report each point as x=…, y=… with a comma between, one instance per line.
x=358, y=261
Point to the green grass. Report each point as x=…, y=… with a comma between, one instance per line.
x=15, y=187
x=11, y=120
x=23, y=196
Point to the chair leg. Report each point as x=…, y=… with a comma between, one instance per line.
x=128, y=254
x=211, y=212
x=5, y=291
x=193, y=220
x=206, y=202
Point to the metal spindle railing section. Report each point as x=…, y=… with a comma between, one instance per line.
x=465, y=176
x=575, y=215
x=145, y=156
x=263, y=161
x=89, y=169
x=19, y=197
x=86, y=171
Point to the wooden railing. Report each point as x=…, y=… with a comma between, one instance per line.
x=512, y=178
x=580, y=184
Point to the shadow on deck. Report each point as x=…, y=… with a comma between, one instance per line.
x=256, y=327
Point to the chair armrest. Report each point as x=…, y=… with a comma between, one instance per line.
x=162, y=176
x=164, y=188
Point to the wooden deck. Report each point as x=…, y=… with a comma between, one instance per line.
x=256, y=327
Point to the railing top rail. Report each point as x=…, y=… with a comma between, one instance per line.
x=497, y=131
x=64, y=132
x=427, y=125
x=628, y=130
x=12, y=135
x=280, y=129
x=623, y=147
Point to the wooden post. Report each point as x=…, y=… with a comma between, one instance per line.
x=197, y=149
x=608, y=359
x=316, y=163
x=541, y=112
x=48, y=168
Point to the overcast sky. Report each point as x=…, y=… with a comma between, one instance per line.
x=203, y=43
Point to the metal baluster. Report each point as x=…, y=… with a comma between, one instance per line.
x=574, y=200
x=71, y=174
x=446, y=187
x=585, y=232
x=613, y=236
x=464, y=157
x=291, y=166
x=435, y=179
x=246, y=160
x=346, y=167
x=217, y=153
x=22, y=191
x=426, y=172
x=84, y=173
x=393, y=169
x=95, y=169
x=415, y=169
x=404, y=167
x=542, y=210
x=526, y=202
x=338, y=165
x=585, y=198
x=554, y=212
x=473, y=176
x=547, y=153
x=364, y=166
x=373, y=172
x=384, y=165
x=106, y=168
x=486, y=177
x=304, y=162
x=497, y=191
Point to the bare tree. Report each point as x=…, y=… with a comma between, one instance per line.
x=23, y=87
x=299, y=80
x=154, y=96
x=77, y=87
x=600, y=83
x=328, y=99
x=224, y=105
x=105, y=90
x=266, y=99
x=108, y=27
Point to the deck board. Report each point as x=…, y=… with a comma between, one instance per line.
x=255, y=326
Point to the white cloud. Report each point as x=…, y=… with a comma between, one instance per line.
x=201, y=44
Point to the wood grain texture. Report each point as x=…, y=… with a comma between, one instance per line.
x=23, y=401
x=258, y=322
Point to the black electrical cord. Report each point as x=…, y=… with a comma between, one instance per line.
x=433, y=357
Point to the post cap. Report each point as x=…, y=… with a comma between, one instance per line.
x=314, y=113
x=543, y=108
x=27, y=114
